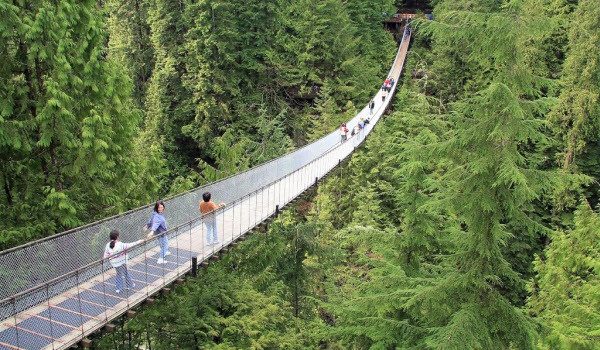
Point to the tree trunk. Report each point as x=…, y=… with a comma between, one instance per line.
x=7, y=190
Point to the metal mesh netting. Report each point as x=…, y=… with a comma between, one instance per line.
x=76, y=253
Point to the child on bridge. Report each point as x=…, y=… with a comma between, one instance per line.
x=116, y=253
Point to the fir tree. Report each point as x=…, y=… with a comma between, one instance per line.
x=129, y=42
x=576, y=116
x=71, y=110
x=169, y=104
x=566, y=292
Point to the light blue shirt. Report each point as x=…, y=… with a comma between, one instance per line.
x=157, y=223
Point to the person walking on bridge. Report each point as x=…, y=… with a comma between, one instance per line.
x=157, y=224
x=116, y=253
x=343, y=132
x=371, y=107
x=386, y=84
x=207, y=211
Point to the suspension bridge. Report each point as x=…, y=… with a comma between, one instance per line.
x=57, y=291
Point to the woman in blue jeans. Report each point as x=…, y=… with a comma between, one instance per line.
x=157, y=226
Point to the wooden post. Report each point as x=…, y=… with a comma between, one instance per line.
x=194, y=266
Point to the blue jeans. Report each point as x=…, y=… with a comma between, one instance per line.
x=163, y=241
x=123, y=274
x=212, y=237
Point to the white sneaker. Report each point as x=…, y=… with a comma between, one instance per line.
x=160, y=261
x=167, y=254
x=118, y=291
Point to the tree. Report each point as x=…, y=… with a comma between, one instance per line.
x=489, y=185
x=67, y=120
x=566, y=291
x=576, y=116
x=129, y=42
x=169, y=104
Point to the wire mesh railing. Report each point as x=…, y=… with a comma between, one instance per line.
x=56, y=291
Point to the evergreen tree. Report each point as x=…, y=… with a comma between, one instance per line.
x=129, y=42
x=415, y=176
x=576, y=116
x=67, y=120
x=490, y=190
x=270, y=140
x=566, y=292
x=169, y=104
x=489, y=186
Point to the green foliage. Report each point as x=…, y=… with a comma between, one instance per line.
x=566, y=291
x=424, y=240
x=67, y=121
x=576, y=116
x=129, y=42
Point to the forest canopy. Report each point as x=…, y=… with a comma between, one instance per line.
x=468, y=220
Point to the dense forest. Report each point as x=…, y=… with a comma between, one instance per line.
x=469, y=219
x=106, y=108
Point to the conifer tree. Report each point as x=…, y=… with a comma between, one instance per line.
x=129, y=42
x=67, y=119
x=489, y=186
x=270, y=139
x=169, y=104
x=420, y=222
x=490, y=190
x=314, y=42
x=576, y=116
x=566, y=291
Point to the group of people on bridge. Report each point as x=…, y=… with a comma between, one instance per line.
x=117, y=252
x=355, y=130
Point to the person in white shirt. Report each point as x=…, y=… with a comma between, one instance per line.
x=116, y=253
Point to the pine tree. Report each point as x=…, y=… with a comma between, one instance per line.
x=169, y=104
x=576, y=116
x=566, y=291
x=72, y=112
x=129, y=42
